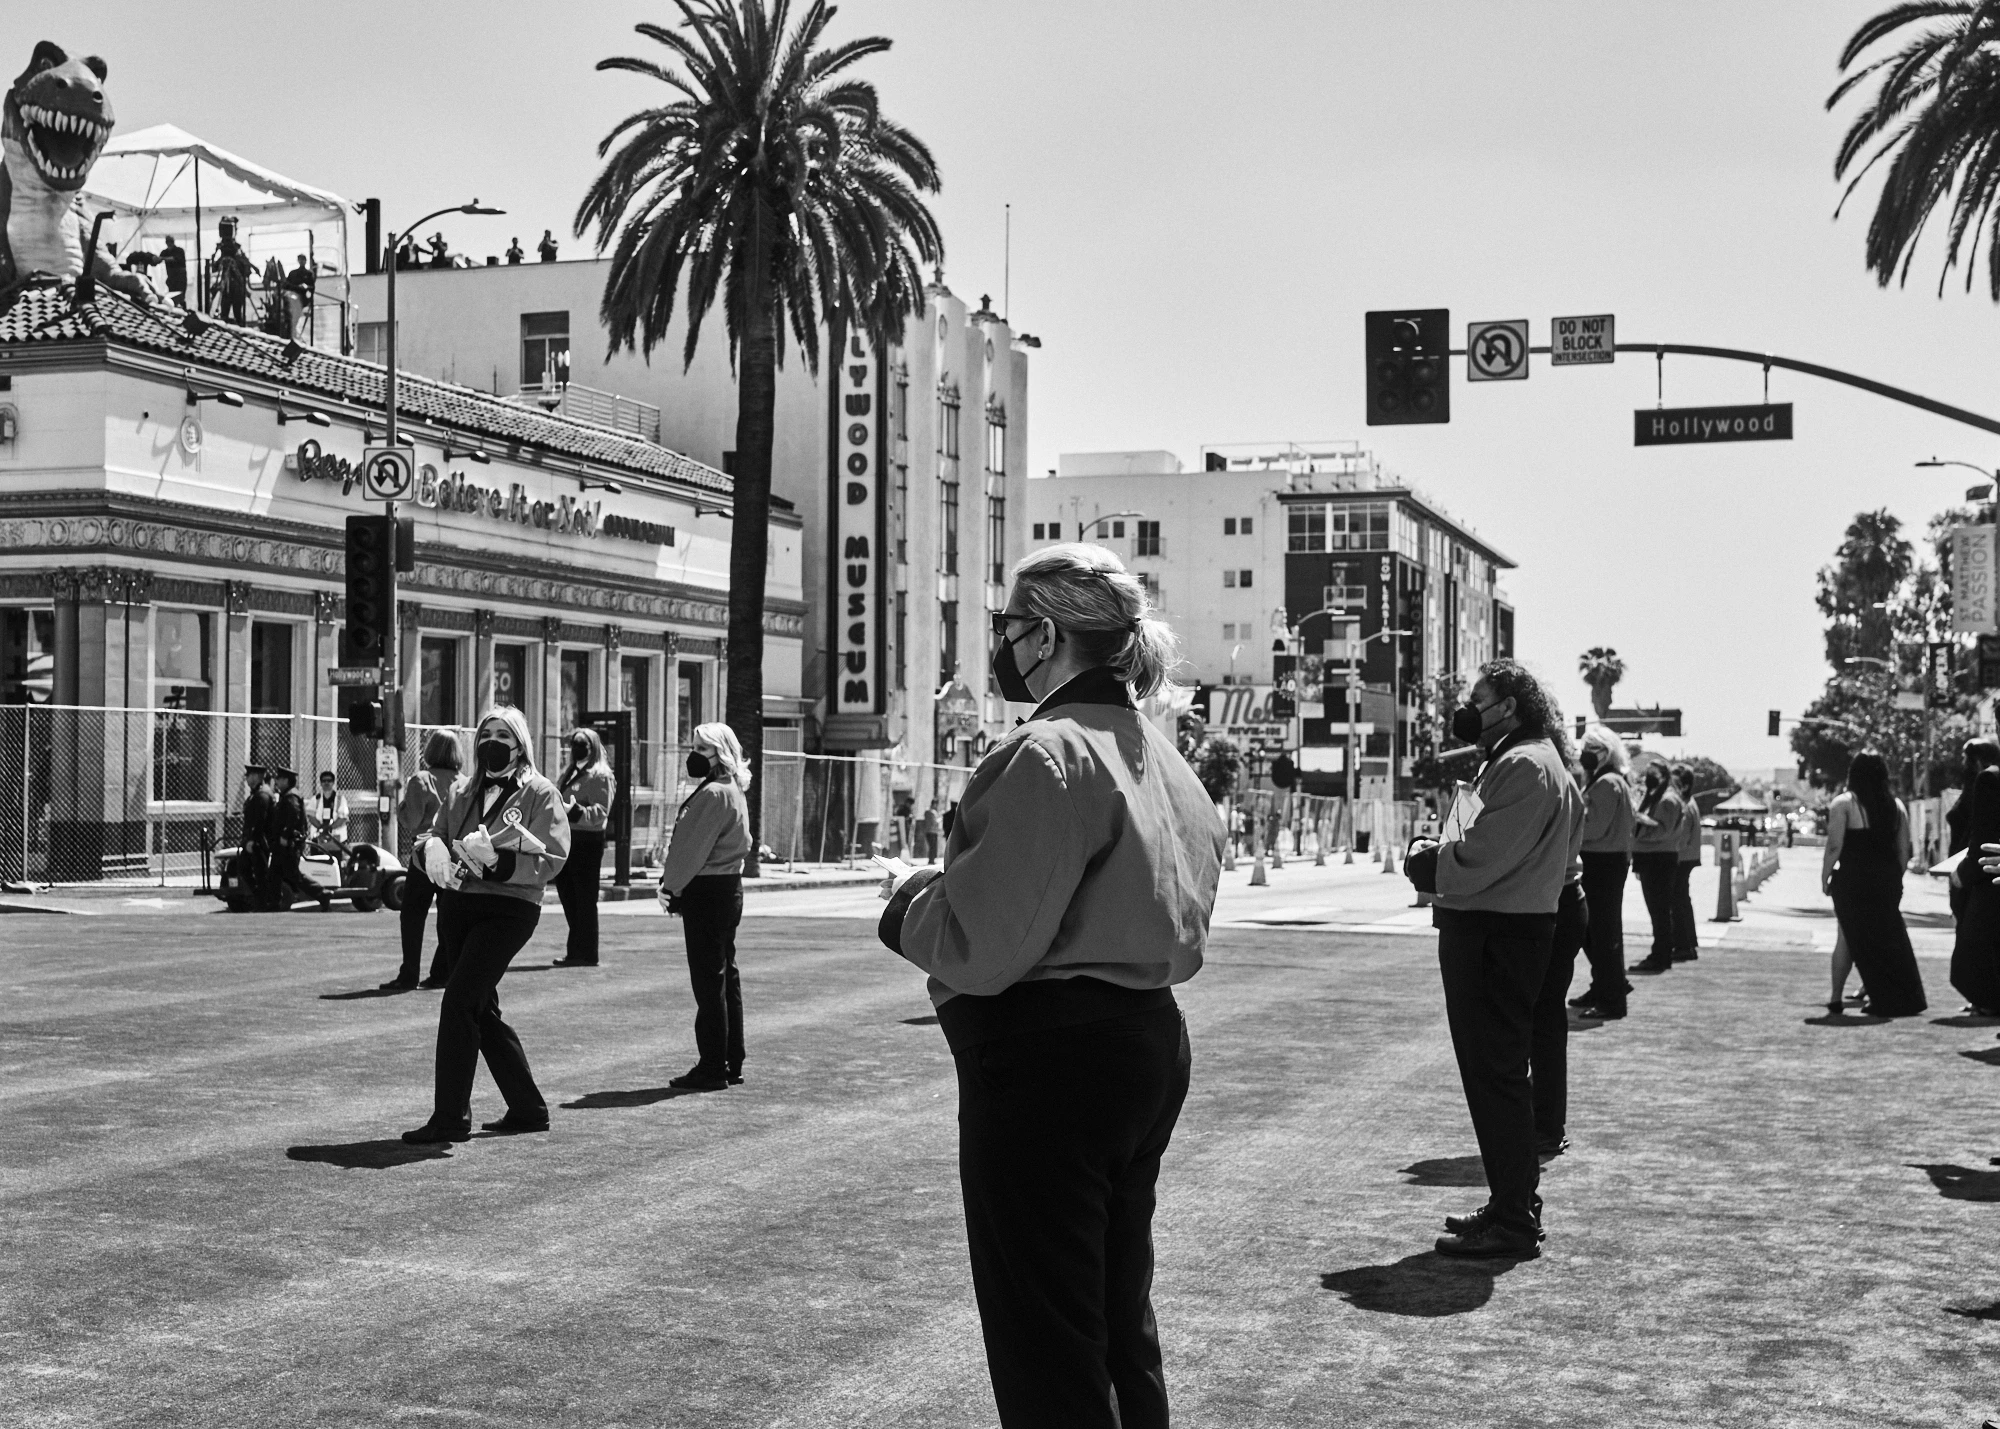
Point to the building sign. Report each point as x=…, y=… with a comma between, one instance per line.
x=1684, y=426
x=1243, y=715
x=1973, y=598
x=1582, y=342
x=567, y=515
x=856, y=568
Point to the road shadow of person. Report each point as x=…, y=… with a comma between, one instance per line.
x=1989, y=1055
x=642, y=1096
x=1966, y=1019
x=1426, y=1285
x=1975, y=1312
x=369, y=1155
x=1847, y=1019
x=1446, y=1171
x=1960, y=1183
x=364, y=992
x=920, y=1021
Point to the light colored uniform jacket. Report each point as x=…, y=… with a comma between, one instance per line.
x=527, y=799
x=1516, y=855
x=1084, y=847
x=417, y=808
x=711, y=835
x=590, y=791
x=1664, y=834
x=1607, y=822
x=1690, y=830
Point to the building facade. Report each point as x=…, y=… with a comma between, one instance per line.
x=943, y=442
x=173, y=496
x=1281, y=567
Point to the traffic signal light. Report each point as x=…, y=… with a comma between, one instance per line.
x=364, y=719
x=1284, y=773
x=1773, y=728
x=371, y=588
x=1409, y=366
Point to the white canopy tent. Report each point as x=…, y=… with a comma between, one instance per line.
x=164, y=182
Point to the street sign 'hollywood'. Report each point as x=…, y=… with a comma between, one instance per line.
x=338, y=675
x=1496, y=351
x=1581, y=342
x=1683, y=426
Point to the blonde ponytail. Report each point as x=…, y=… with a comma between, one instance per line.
x=1088, y=593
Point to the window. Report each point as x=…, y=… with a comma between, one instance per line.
x=180, y=647
x=902, y=640
x=1150, y=583
x=270, y=667
x=1243, y=526
x=1148, y=539
x=27, y=657
x=1340, y=596
x=947, y=641
x=1229, y=525
x=181, y=745
x=688, y=705
x=996, y=539
x=996, y=439
x=1243, y=579
x=575, y=698
x=903, y=405
x=437, y=688
x=1038, y=530
x=1306, y=529
x=1358, y=527
x=1229, y=580
x=1228, y=631
x=899, y=498
x=371, y=342
x=510, y=676
x=635, y=693
x=544, y=349
x=948, y=501
x=947, y=417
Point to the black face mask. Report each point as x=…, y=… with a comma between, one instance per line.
x=494, y=755
x=579, y=753
x=698, y=765
x=1468, y=722
x=1013, y=684
x=1588, y=759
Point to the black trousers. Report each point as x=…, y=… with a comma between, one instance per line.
x=1604, y=892
x=1657, y=879
x=576, y=886
x=1493, y=965
x=1060, y=1134
x=1686, y=940
x=711, y=907
x=282, y=877
x=1549, y=1051
x=418, y=895
x=482, y=933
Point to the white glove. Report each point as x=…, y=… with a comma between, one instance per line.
x=477, y=848
x=437, y=864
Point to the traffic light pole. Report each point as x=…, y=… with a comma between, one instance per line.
x=392, y=651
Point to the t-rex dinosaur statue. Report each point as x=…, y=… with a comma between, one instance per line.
x=53, y=124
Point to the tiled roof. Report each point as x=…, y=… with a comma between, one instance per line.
x=46, y=314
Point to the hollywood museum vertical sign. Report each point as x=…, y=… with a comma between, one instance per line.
x=855, y=557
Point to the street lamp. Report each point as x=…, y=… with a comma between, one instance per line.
x=1974, y=493
x=393, y=683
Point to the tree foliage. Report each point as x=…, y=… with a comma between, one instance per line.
x=1934, y=117
x=1217, y=763
x=1601, y=670
x=1857, y=591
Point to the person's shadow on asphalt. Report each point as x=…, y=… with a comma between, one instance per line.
x=1847, y=1019
x=368, y=1155
x=643, y=1096
x=1960, y=1183
x=1427, y=1285
x=1446, y=1171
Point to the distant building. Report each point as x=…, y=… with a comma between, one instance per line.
x=1272, y=554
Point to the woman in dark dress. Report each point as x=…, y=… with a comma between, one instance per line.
x=1867, y=848
x=1975, y=820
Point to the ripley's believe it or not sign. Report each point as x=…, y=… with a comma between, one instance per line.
x=855, y=565
x=452, y=492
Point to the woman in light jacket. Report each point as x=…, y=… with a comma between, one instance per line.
x=1687, y=939
x=585, y=787
x=1076, y=890
x=498, y=838
x=702, y=880
x=1607, y=860
x=416, y=811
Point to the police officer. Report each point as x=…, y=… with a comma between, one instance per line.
x=288, y=829
x=253, y=865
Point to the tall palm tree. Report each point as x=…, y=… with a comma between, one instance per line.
x=1936, y=110
x=773, y=181
x=1601, y=670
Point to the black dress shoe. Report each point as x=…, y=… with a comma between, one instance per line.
x=735, y=1076
x=398, y=984
x=696, y=1080
x=1688, y=957
x=1601, y=1012
x=1550, y=1147
x=1582, y=1001
x=433, y=1132
x=1651, y=965
x=1465, y=1225
x=432, y=981
x=1488, y=1241
x=516, y=1123
x=573, y=963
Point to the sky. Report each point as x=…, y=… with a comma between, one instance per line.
x=1206, y=198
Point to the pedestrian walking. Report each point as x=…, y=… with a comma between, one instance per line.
x=1076, y=890
x=586, y=789
x=1548, y=1051
x=1656, y=857
x=1975, y=949
x=1687, y=939
x=498, y=838
x=1499, y=886
x=932, y=827
x=287, y=837
x=260, y=808
x=702, y=880
x=416, y=812
x=1607, y=859
x=1867, y=848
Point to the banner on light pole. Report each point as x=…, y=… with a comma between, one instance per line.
x=1975, y=598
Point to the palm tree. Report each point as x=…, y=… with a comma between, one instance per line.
x=1936, y=109
x=772, y=181
x=1601, y=670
